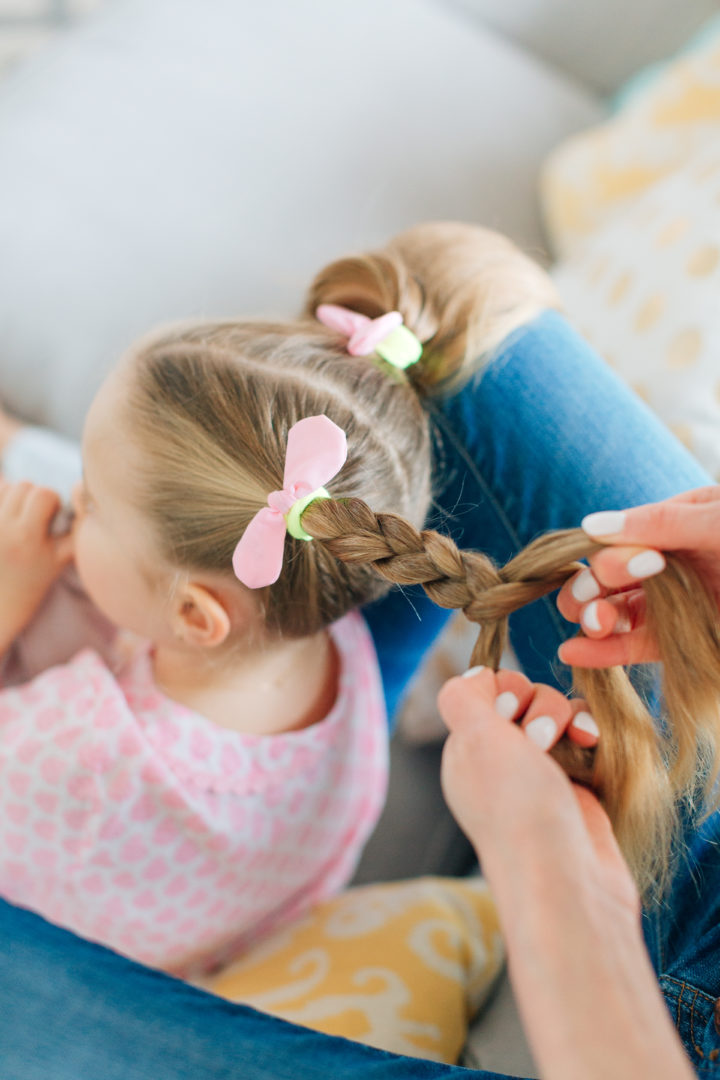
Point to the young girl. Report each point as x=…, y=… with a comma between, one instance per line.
x=226, y=773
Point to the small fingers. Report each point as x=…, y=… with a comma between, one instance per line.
x=39, y=507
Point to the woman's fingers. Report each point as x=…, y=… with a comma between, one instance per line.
x=514, y=693
x=546, y=717
x=582, y=728
x=459, y=708
x=690, y=522
x=612, y=570
x=633, y=647
x=543, y=713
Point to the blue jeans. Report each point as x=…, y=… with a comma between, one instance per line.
x=545, y=434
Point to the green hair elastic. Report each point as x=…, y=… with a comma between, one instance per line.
x=292, y=518
x=400, y=348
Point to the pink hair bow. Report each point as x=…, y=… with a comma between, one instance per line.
x=365, y=334
x=385, y=335
x=316, y=452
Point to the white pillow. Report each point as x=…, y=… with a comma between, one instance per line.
x=205, y=157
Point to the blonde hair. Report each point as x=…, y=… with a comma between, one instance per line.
x=212, y=403
x=645, y=774
x=461, y=289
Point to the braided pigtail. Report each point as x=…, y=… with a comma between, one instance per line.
x=642, y=772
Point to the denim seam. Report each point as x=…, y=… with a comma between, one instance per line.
x=448, y=433
x=683, y=985
x=691, y=1008
x=692, y=1024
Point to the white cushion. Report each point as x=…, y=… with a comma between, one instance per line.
x=205, y=157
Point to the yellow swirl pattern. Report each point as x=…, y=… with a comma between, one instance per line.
x=401, y=966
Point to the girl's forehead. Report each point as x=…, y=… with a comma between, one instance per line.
x=107, y=449
x=105, y=408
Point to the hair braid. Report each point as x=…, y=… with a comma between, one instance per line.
x=641, y=771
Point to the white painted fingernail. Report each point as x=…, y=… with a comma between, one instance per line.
x=473, y=671
x=585, y=722
x=622, y=625
x=604, y=523
x=585, y=587
x=507, y=704
x=590, y=617
x=645, y=564
x=542, y=730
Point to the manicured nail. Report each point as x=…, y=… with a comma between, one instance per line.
x=604, y=523
x=585, y=587
x=590, y=617
x=622, y=625
x=507, y=704
x=585, y=722
x=473, y=671
x=542, y=730
x=645, y=564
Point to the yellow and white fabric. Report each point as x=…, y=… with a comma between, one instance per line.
x=634, y=208
x=401, y=966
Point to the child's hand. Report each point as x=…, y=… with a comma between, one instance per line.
x=30, y=558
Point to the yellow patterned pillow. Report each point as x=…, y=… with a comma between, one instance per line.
x=593, y=176
x=401, y=966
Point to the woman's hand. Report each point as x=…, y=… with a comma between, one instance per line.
x=607, y=599
x=585, y=989
x=514, y=802
x=30, y=558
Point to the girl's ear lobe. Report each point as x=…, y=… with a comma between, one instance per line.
x=200, y=617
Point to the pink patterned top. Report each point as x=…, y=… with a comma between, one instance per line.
x=136, y=822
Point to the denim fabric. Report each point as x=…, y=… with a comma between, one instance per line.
x=545, y=434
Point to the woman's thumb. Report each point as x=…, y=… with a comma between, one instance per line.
x=667, y=525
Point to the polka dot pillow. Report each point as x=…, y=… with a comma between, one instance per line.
x=645, y=291
x=633, y=208
x=668, y=116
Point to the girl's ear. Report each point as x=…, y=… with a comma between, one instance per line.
x=199, y=617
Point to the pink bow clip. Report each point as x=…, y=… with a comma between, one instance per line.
x=316, y=452
x=365, y=334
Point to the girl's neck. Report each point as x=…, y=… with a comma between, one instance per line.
x=263, y=691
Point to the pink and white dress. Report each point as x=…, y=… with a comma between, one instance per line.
x=136, y=822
